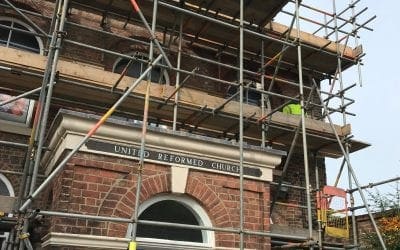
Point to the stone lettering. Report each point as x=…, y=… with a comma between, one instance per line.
x=169, y=158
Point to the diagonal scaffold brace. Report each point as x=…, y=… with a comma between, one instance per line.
x=61, y=165
x=152, y=34
x=351, y=170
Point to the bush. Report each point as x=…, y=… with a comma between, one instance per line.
x=388, y=207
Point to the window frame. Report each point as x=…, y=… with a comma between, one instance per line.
x=10, y=125
x=143, y=54
x=7, y=124
x=252, y=87
x=8, y=184
x=10, y=188
x=198, y=212
x=12, y=19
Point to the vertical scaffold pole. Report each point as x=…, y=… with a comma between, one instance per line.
x=52, y=25
x=241, y=125
x=263, y=126
x=346, y=145
x=38, y=131
x=351, y=170
x=317, y=187
x=353, y=216
x=53, y=72
x=144, y=131
x=339, y=61
x=29, y=157
x=303, y=125
x=178, y=74
x=355, y=30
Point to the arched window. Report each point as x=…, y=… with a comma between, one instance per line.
x=6, y=189
x=13, y=37
x=173, y=209
x=250, y=96
x=136, y=68
x=18, y=113
x=169, y=211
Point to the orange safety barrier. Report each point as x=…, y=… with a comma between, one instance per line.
x=332, y=211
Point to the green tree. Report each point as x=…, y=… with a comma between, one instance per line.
x=388, y=208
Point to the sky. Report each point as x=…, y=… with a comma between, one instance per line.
x=377, y=105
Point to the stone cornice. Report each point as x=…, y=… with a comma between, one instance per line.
x=83, y=240
x=69, y=128
x=105, y=242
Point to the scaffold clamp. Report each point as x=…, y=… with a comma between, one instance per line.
x=24, y=236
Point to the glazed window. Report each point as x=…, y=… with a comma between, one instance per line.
x=18, y=112
x=251, y=97
x=6, y=189
x=5, y=186
x=136, y=68
x=15, y=117
x=173, y=209
x=14, y=36
x=169, y=211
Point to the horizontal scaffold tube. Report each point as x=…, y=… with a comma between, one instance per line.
x=165, y=224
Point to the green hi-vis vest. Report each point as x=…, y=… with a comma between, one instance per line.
x=293, y=109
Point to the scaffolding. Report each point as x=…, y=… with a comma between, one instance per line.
x=244, y=30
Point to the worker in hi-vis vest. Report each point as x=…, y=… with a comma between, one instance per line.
x=293, y=109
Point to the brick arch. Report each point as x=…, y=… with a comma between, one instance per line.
x=124, y=206
x=205, y=196
x=121, y=46
x=155, y=184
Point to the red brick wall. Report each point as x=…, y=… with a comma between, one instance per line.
x=12, y=158
x=87, y=186
x=290, y=214
x=364, y=225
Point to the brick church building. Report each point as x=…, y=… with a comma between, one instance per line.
x=204, y=168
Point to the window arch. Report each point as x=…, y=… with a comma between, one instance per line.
x=173, y=209
x=250, y=96
x=16, y=39
x=6, y=189
x=136, y=68
x=15, y=117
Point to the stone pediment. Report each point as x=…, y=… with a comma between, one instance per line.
x=121, y=138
